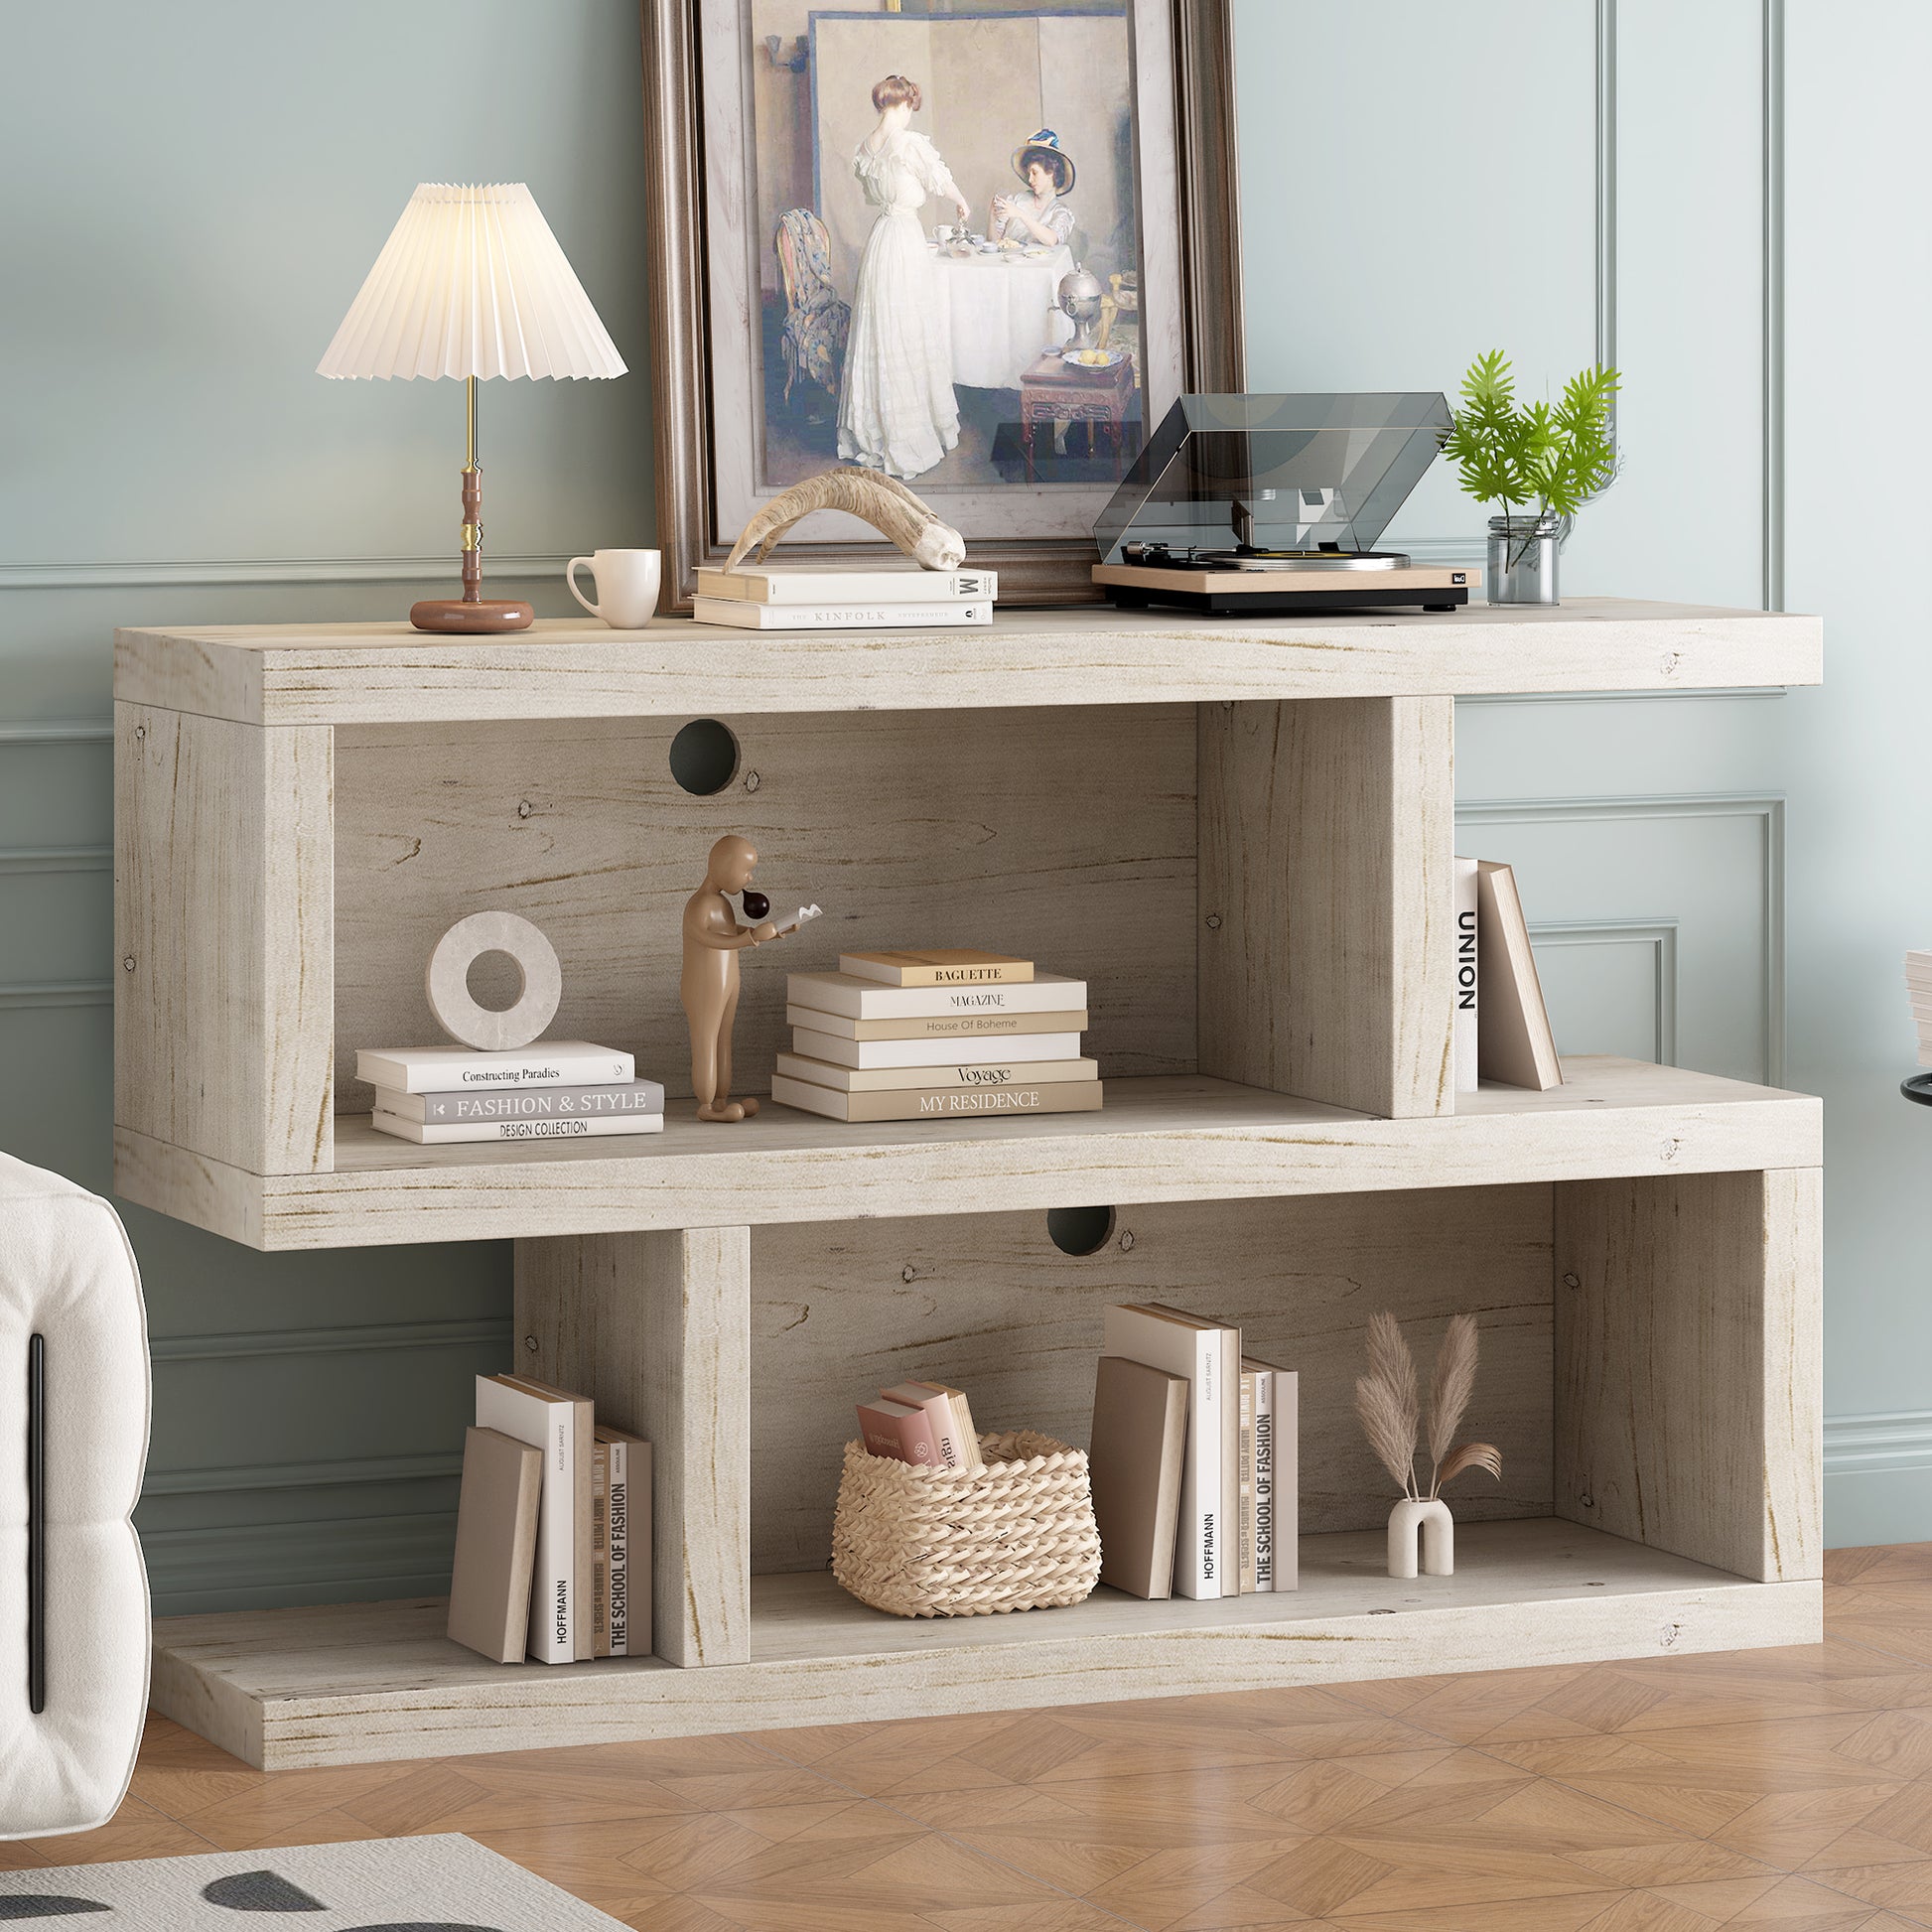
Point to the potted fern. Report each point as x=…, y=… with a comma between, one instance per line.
x=1541, y=462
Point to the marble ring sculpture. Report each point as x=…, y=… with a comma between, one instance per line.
x=446, y=982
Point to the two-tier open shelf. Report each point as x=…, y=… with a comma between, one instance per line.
x=1239, y=832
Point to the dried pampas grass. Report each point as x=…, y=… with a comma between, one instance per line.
x=1390, y=1409
x=1386, y=1400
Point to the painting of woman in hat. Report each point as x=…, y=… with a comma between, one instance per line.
x=1040, y=214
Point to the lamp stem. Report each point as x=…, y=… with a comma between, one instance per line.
x=472, y=501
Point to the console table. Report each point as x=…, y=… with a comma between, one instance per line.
x=1239, y=832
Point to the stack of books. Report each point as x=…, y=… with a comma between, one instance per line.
x=1194, y=1459
x=795, y=599
x=1918, y=987
x=935, y=1035
x=927, y=1424
x=556, y=1090
x=553, y=1533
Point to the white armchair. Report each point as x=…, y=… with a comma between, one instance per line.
x=74, y=1443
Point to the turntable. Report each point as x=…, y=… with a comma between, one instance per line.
x=1274, y=503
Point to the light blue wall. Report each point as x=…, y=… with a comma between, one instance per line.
x=194, y=196
x=1735, y=207
x=195, y=193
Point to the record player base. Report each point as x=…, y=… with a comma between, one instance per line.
x=1278, y=603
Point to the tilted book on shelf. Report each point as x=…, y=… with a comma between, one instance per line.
x=1514, y=1041
x=1134, y=1463
x=939, y=966
x=806, y=584
x=734, y=614
x=495, y=1545
x=859, y=999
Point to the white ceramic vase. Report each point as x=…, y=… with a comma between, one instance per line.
x=1429, y=1523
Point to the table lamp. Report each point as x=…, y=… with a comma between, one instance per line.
x=470, y=283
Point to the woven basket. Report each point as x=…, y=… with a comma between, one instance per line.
x=1017, y=1535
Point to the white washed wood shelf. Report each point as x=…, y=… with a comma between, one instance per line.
x=1239, y=833
x=361, y=1684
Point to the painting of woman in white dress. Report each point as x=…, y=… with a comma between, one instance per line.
x=896, y=408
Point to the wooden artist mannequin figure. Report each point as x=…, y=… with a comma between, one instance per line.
x=713, y=939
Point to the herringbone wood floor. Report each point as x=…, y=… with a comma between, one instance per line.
x=1787, y=1789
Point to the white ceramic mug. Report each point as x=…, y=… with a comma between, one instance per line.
x=627, y=585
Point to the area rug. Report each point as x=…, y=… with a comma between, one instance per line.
x=445, y=1884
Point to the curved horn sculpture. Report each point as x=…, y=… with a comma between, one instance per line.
x=881, y=501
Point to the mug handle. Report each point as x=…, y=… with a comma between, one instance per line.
x=570, y=578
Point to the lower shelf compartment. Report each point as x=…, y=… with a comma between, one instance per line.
x=367, y=1683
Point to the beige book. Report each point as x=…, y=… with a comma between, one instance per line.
x=495, y=1545
x=976, y=1026
x=939, y=1103
x=1515, y=1044
x=1139, y=1445
x=939, y=966
x=872, y=1079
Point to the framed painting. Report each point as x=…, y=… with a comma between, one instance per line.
x=876, y=227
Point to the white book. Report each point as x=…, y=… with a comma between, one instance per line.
x=859, y=999
x=864, y=1079
x=1017, y=1049
x=448, y=1133
x=950, y=616
x=1204, y=1543
x=552, y=1421
x=1466, y=990
x=940, y=1027
x=449, y=1069
x=796, y=583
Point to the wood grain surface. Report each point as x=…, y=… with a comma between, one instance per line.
x=1067, y=837
x=224, y=938
x=1157, y=1139
x=357, y=1684
x=987, y=1303
x=654, y=1326
x=1325, y=897
x=363, y=673
x=1690, y=1366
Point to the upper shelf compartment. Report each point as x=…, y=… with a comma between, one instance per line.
x=388, y=673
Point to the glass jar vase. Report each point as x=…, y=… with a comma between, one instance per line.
x=1523, y=553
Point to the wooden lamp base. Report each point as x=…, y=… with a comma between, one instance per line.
x=454, y=614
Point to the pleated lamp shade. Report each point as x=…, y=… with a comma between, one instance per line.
x=472, y=283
